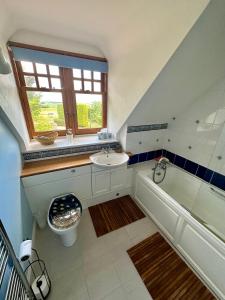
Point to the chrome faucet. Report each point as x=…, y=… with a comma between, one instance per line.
x=161, y=163
x=107, y=150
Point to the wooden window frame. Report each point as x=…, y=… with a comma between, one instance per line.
x=67, y=90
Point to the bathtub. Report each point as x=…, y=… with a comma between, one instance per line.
x=191, y=216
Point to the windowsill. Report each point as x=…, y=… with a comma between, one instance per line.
x=61, y=142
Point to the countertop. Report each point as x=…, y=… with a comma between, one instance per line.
x=54, y=164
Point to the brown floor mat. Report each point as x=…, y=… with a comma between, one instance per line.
x=113, y=214
x=164, y=273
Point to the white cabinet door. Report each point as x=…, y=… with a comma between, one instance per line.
x=39, y=196
x=100, y=183
x=54, y=176
x=120, y=178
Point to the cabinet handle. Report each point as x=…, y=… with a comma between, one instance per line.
x=73, y=171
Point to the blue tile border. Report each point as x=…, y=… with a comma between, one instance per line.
x=218, y=180
x=27, y=156
x=179, y=161
x=191, y=167
x=202, y=172
x=145, y=156
x=138, y=128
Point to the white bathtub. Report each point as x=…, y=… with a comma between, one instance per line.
x=182, y=205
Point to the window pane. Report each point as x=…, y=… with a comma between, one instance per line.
x=27, y=66
x=97, y=75
x=89, y=110
x=87, y=74
x=41, y=68
x=87, y=85
x=30, y=81
x=77, y=73
x=47, y=110
x=77, y=85
x=97, y=86
x=54, y=70
x=56, y=83
x=43, y=82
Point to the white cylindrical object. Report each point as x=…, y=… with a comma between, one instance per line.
x=25, y=250
x=43, y=286
x=69, y=238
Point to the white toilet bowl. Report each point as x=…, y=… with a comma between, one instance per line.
x=65, y=208
x=68, y=236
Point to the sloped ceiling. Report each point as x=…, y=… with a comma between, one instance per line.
x=197, y=64
x=137, y=37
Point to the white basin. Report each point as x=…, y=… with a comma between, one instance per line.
x=109, y=160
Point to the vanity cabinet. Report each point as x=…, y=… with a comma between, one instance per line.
x=120, y=179
x=40, y=189
x=105, y=181
x=90, y=184
x=101, y=183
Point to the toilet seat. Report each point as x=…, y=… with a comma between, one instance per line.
x=64, y=211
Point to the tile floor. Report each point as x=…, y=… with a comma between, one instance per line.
x=95, y=268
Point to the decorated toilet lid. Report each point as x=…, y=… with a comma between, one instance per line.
x=65, y=211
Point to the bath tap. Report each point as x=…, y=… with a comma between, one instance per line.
x=163, y=160
x=162, y=164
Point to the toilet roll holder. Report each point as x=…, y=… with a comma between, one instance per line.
x=37, y=275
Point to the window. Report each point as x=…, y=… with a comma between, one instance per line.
x=55, y=97
x=88, y=91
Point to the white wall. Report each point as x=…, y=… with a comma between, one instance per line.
x=217, y=161
x=9, y=99
x=142, y=50
x=209, y=111
x=14, y=210
x=190, y=88
x=144, y=141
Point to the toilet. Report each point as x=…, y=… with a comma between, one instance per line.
x=64, y=216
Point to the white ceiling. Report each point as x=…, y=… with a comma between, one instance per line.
x=92, y=22
x=96, y=22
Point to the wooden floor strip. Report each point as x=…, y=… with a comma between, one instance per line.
x=114, y=214
x=164, y=273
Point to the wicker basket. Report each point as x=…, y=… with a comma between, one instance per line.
x=47, y=138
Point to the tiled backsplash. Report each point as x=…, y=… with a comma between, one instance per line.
x=198, y=133
x=141, y=157
x=202, y=172
x=36, y=155
x=146, y=127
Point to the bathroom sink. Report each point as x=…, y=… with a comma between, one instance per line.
x=109, y=160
